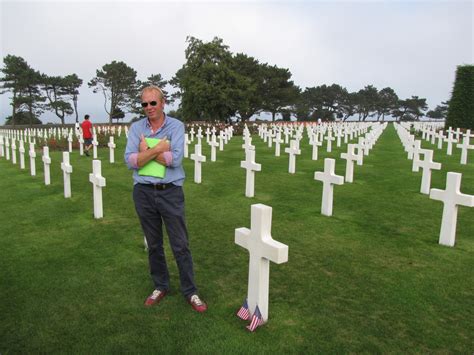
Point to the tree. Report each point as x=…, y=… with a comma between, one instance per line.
x=55, y=89
x=440, y=112
x=366, y=99
x=387, y=100
x=24, y=83
x=278, y=91
x=118, y=83
x=155, y=79
x=22, y=118
x=461, y=105
x=347, y=106
x=72, y=83
x=250, y=75
x=208, y=87
x=410, y=109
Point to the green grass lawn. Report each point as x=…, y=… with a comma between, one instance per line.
x=371, y=278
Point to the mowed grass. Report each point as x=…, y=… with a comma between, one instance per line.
x=371, y=278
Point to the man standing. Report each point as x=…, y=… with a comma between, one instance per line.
x=87, y=134
x=159, y=200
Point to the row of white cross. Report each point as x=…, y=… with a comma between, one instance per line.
x=451, y=196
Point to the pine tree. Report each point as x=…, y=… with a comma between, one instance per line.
x=461, y=105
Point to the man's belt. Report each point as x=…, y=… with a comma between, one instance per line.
x=158, y=186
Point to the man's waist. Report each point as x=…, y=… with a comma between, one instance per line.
x=157, y=186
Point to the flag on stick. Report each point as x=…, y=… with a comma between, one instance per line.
x=256, y=321
x=243, y=312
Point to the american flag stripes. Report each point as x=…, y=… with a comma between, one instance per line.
x=243, y=312
x=256, y=320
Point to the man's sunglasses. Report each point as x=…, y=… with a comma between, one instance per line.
x=152, y=103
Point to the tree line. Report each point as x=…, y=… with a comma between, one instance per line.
x=213, y=84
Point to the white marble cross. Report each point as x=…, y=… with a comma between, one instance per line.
x=351, y=157
x=292, y=151
x=198, y=159
x=111, y=146
x=98, y=182
x=440, y=136
x=81, y=145
x=2, y=146
x=329, y=179
x=186, y=145
x=213, y=143
x=248, y=143
x=13, y=150
x=277, y=141
x=416, y=156
x=66, y=167
x=315, y=143
x=427, y=164
x=262, y=249
x=450, y=140
x=464, y=148
x=95, y=143
x=32, y=154
x=251, y=167
x=46, y=164
x=199, y=136
x=69, y=141
x=452, y=198
x=22, y=154
x=329, y=138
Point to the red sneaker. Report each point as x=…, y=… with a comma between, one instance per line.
x=155, y=298
x=197, y=304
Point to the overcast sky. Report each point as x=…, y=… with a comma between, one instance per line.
x=411, y=46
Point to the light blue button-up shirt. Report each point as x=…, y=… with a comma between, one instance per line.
x=173, y=130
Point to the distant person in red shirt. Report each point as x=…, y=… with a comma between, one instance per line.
x=87, y=133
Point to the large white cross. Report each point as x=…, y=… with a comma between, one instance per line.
x=46, y=164
x=251, y=167
x=98, y=182
x=427, y=164
x=111, y=146
x=315, y=143
x=329, y=179
x=464, y=148
x=416, y=156
x=351, y=157
x=198, y=159
x=292, y=151
x=452, y=198
x=262, y=249
x=66, y=167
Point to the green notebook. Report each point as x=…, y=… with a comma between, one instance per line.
x=152, y=168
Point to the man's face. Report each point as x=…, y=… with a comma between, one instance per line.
x=153, y=112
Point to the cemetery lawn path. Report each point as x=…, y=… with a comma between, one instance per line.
x=370, y=279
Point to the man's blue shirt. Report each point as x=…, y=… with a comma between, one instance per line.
x=173, y=130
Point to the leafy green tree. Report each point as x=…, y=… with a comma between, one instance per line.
x=278, y=91
x=250, y=75
x=387, y=101
x=22, y=118
x=366, y=99
x=54, y=87
x=118, y=83
x=347, y=105
x=461, y=105
x=24, y=84
x=208, y=87
x=410, y=109
x=440, y=112
x=72, y=83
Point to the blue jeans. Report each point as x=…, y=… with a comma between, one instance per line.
x=155, y=206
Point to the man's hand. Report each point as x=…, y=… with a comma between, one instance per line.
x=162, y=146
x=143, y=144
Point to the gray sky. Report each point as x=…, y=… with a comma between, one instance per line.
x=411, y=46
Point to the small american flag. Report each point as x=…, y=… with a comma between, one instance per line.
x=256, y=321
x=243, y=312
